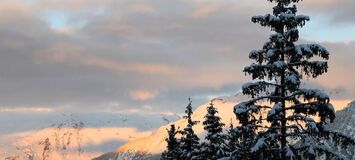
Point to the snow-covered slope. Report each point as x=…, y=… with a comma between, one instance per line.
x=67, y=142
x=345, y=120
x=155, y=143
x=345, y=123
x=76, y=136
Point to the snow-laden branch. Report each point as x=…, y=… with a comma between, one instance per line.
x=288, y=18
x=309, y=151
x=311, y=50
x=310, y=123
x=255, y=88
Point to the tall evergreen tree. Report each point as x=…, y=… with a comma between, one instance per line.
x=297, y=114
x=214, y=147
x=173, y=148
x=189, y=140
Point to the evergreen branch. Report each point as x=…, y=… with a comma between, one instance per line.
x=256, y=88
x=343, y=139
x=309, y=150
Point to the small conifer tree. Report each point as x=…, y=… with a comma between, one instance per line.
x=214, y=146
x=189, y=140
x=231, y=139
x=173, y=145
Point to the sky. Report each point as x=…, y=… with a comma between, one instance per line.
x=149, y=56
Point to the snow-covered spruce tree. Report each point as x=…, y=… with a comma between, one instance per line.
x=173, y=145
x=214, y=146
x=297, y=114
x=241, y=139
x=231, y=139
x=189, y=140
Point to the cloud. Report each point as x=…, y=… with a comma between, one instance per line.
x=7, y=7
x=71, y=5
x=142, y=95
x=205, y=10
x=340, y=65
x=26, y=109
x=133, y=61
x=132, y=45
x=66, y=53
x=143, y=68
x=341, y=11
x=143, y=8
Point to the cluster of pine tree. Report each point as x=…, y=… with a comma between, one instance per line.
x=189, y=146
x=282, y=120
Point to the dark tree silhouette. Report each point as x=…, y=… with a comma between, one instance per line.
x=189, y=140
x=240, y=140
x=214, y=146
x=173, y=148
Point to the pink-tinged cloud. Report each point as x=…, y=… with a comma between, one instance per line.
x=142, y=95
x=26, y=109
x=143, y=7
x=321, y=3
x=71, y=5
x=205, y=10
x=341, y=72
x=115, y=66
x=182, y=52
x=66, y=53
x=14, y=6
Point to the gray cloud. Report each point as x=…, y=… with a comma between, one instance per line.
x=169, y=49
x=341, y=11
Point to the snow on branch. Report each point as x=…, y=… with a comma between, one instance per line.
x=266, y=20
x=244, y=111
x=311, y=68
x=292, y=20
x=292, y=81
x=292, y=35
x=287, y=18
x=284, y=2
x=268, y=53
x=338, y=138
x=274, y=113
x=256, y=88
x=317, y=94
x=310, y=152
x=289, y=153
x=310, y=123
x=260, y=71
x=311, y=50
x=312, y=108
x=259, y=145
x=257, y=55
x=275, y=68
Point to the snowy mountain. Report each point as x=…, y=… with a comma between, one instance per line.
x=75, y=136
x=345, y=123
x=345, y=120
x=150, y=147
